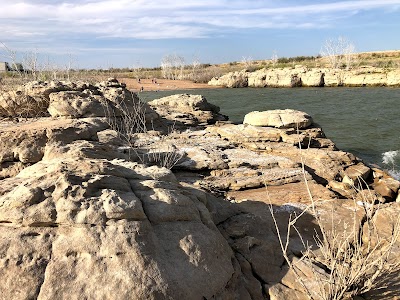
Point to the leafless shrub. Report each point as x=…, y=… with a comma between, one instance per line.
x=127, y=116
x=161, y=153
x=274, y=58
x=204, y=75
x=247, y=61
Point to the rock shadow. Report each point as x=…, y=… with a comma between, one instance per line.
x=251, y=233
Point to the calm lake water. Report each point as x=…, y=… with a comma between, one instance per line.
x=364, y=121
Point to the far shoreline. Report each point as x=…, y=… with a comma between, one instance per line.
x=163, y=85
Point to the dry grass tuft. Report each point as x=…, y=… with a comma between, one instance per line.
x=128, y=119
x=349, y=259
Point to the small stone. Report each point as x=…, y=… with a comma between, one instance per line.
x=358, y=172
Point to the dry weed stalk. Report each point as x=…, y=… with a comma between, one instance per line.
x=356, y=258
x=129, y=119
x=162, y=152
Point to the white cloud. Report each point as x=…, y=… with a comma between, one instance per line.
x=150, y=19
x=44, y=22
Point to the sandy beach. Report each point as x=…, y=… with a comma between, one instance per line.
x=162, y=84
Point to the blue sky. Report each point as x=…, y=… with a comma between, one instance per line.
x=138, y=33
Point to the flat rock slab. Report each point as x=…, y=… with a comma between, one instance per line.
x=187, y=110
x=186, y=102
x=235, y=179
x=287, y=118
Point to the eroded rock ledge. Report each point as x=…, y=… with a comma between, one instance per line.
x=301, y=76
x=82, y=218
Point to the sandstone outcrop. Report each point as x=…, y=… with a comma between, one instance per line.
x=300, y=76
x=187, y=110
x=24, y=143
x=82, y=218
x=287, y=118
x=32, y=99
x=232, y=80
x=68, y=99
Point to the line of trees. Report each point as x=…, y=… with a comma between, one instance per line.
x=29, y=66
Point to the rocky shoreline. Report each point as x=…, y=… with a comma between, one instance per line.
x=82, y=216
x=301, y=76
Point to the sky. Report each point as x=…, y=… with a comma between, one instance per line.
x=139, y=33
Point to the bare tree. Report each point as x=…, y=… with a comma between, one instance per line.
x=247, y=61
x=30, y=63
x=195, y=66
x=166, y=67
x=349, y=56
x=172, y=66
x=339, y=52
x=11, y=55
x=274, y=58
x=69, y=65
x=178, y=65
x=137, y=70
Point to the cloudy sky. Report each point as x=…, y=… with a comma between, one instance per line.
x=138, y=33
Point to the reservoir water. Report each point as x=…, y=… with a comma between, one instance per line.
x=363, y=121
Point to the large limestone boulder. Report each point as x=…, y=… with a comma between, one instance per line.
x=353, y=79
x=72, y=99
x=393, y=78
x=95, y=228
x=366, y=76
x=258, y=78
x=32, y=99
x=386, y=186
x=24, y=143
x=231, y=80
x=287, y=118
x=186, y=109
x=76, y=105
x=107, y=99
x=186, y=103
x=247, y=133
x=312, y=78
x=265, y=138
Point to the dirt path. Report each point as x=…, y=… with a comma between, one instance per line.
x=162, y=84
